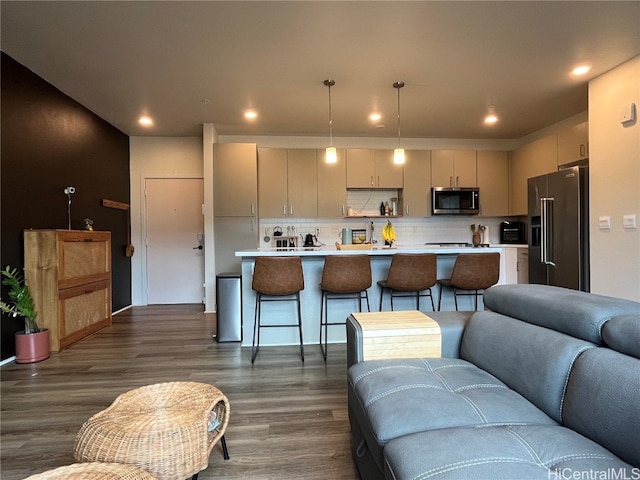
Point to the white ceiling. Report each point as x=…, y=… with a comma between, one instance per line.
x=122, y=59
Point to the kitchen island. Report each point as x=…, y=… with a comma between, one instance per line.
x=313, y=262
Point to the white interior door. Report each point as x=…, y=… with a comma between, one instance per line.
x=175, y=245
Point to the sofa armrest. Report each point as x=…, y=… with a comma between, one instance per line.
x=452, y=325
x=354, y=342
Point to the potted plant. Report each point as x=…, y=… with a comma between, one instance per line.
x=32, y=343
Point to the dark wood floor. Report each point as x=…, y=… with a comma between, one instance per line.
x=288, y=419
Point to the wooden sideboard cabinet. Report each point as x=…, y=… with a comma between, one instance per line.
x=69, y=274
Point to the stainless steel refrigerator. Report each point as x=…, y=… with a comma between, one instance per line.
x=559, y=229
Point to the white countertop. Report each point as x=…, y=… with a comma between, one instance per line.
x=376, y=250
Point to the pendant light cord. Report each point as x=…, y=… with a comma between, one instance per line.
x=398, y=86
x=330, y=83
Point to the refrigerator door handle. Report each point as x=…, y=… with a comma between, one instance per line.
x=546, y=243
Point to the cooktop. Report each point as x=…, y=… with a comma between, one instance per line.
x=456, y=244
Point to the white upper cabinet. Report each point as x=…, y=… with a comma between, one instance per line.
x=493, y=182
x=235, y=180
x=332, y=185
x=573, y=143
x=453, y=168
x=530, y=160
x=287, y=184
x=415, y=197
x=367, y=168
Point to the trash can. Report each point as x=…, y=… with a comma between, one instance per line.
x=229, y=307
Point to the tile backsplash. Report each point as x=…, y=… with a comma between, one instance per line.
x=409, y=231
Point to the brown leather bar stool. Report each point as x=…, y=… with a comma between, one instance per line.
x=410, y=274
x=472, y=273
x=276, y=279
x=343, y=277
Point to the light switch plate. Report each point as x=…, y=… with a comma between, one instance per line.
x=604, y=223
x=629, y=221
x=628, y=113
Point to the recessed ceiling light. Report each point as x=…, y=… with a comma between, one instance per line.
x=145, y=121
x=250, y=115
x=581, y=69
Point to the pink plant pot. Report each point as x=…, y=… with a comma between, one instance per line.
x=32, y=347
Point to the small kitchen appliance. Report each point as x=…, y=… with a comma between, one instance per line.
x=455, y=201
x=512, y=232
x=309, y=241
x=345, y=236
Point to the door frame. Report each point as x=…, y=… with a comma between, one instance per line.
x=142, y=258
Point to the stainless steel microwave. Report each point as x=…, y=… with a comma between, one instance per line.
x=455, y=201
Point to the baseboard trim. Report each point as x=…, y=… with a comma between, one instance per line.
x=7, y=360
x=121, y=310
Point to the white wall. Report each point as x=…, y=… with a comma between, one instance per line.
x=614, y=172
x=209, y=137
x=155, y=157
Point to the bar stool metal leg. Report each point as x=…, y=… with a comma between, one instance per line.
x=256, y=329
x=343, y=277
x=300, y=326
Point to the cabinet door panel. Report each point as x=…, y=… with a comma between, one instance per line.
x=302, y=185
x=453, y=168
x=235, y=179
x=573, y=143
x=272, y=182
x=233, y=234
x=493, y=181
x=332, y=186
x=360, y=168
x=442, y=168
x=465, y=168
x=387, y=174
x=416, y=198
x=530, y=160
x=82, y=311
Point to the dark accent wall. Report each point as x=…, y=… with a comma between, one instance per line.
x=50, y=141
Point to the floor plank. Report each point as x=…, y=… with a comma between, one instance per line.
x=288, y=419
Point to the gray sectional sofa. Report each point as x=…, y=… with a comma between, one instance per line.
x=545, y=384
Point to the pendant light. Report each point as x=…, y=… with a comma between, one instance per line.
x=491, y=117
x=330, y=155
x=398, y=153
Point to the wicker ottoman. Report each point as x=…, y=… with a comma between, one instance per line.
x=162, y=428
x=94, y=471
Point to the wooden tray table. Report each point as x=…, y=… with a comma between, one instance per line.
x=398, y=334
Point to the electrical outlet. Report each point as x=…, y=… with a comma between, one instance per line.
x=629, y=221
x=604, y=223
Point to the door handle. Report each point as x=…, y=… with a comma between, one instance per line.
x=546, y=224
x=199, y=247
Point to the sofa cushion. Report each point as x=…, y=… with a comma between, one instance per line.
x=575, y=313
x=510, y=452
x=623, y=334
x=533, y=361
x=603, y=401
x=392, y=398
